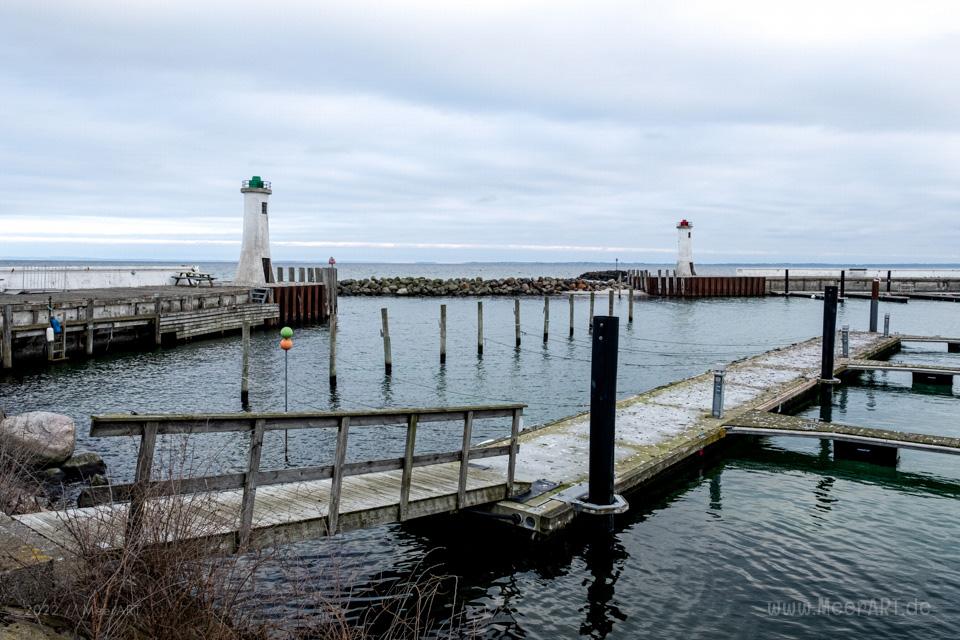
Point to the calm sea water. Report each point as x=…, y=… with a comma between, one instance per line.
x=772, y=540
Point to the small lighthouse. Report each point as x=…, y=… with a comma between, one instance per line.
x=254, y=266
x=685, y=249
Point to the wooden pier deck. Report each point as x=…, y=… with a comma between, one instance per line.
x=662, y=427
x=655, y=431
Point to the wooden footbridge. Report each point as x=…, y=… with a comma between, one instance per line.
x=533, y=478
x=258, y=507
x=763, y=423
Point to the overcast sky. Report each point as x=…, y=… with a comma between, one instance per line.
x=452, y=131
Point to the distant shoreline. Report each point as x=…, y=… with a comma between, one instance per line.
x=292, y=261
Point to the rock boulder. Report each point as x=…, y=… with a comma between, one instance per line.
x=40, y=437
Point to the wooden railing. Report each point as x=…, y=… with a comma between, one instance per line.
x=148, y=427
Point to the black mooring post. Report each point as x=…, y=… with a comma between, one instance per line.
x=786, y=281
x=874, y=305
x=829, y=332
x=843, y=283
x=603, y=408
x=826, y=403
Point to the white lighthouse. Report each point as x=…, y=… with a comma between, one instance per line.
x=254, y=267
x=685, y=249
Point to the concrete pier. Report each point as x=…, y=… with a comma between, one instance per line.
x=94, y=319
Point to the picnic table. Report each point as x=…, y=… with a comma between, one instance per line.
x=193, y=278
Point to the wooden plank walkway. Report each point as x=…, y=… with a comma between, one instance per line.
x=286, y=512
x=764, y=423
x=952, y=343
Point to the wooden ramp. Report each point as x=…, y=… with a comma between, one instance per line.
x=281, y=513
x=953, y=344
x=258, y=507
x=762, y=423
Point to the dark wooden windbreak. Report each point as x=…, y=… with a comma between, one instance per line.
x=705, y=286
x=148, y=427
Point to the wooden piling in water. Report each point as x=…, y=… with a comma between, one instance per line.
x=385, y=332
x=593, y=298
x=630, y=305
x=88, y=343
x=610, y=305
x=333, y=351
x=516, y=320
x=479, y=327
x=443, y=334
x=546, y=319
x=245, y=366
x=571, y=315
x=157, y=312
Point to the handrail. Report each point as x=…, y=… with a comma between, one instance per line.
x=131, y=425
x=150, y=426
x=263, y=184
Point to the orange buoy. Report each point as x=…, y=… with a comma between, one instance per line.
x=286, y=344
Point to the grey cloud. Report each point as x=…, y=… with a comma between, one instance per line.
x=579, y=126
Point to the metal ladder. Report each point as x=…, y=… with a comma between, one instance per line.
x=260, y=296
x=58, y=348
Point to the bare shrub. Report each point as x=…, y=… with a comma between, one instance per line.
x=21, y=491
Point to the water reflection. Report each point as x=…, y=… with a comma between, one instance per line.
x=386, y=390
x=822, y=493
x=605, y=558
x=715, y=496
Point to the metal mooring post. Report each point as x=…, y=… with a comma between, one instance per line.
x=886, y=325
x=603, y=408
x=718, y=374
x=829, y=334
x=845, y=341
x=874, y=305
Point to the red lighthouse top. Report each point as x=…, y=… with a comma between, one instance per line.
x=684, y=223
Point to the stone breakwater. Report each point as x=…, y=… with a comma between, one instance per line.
x=541, y=286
